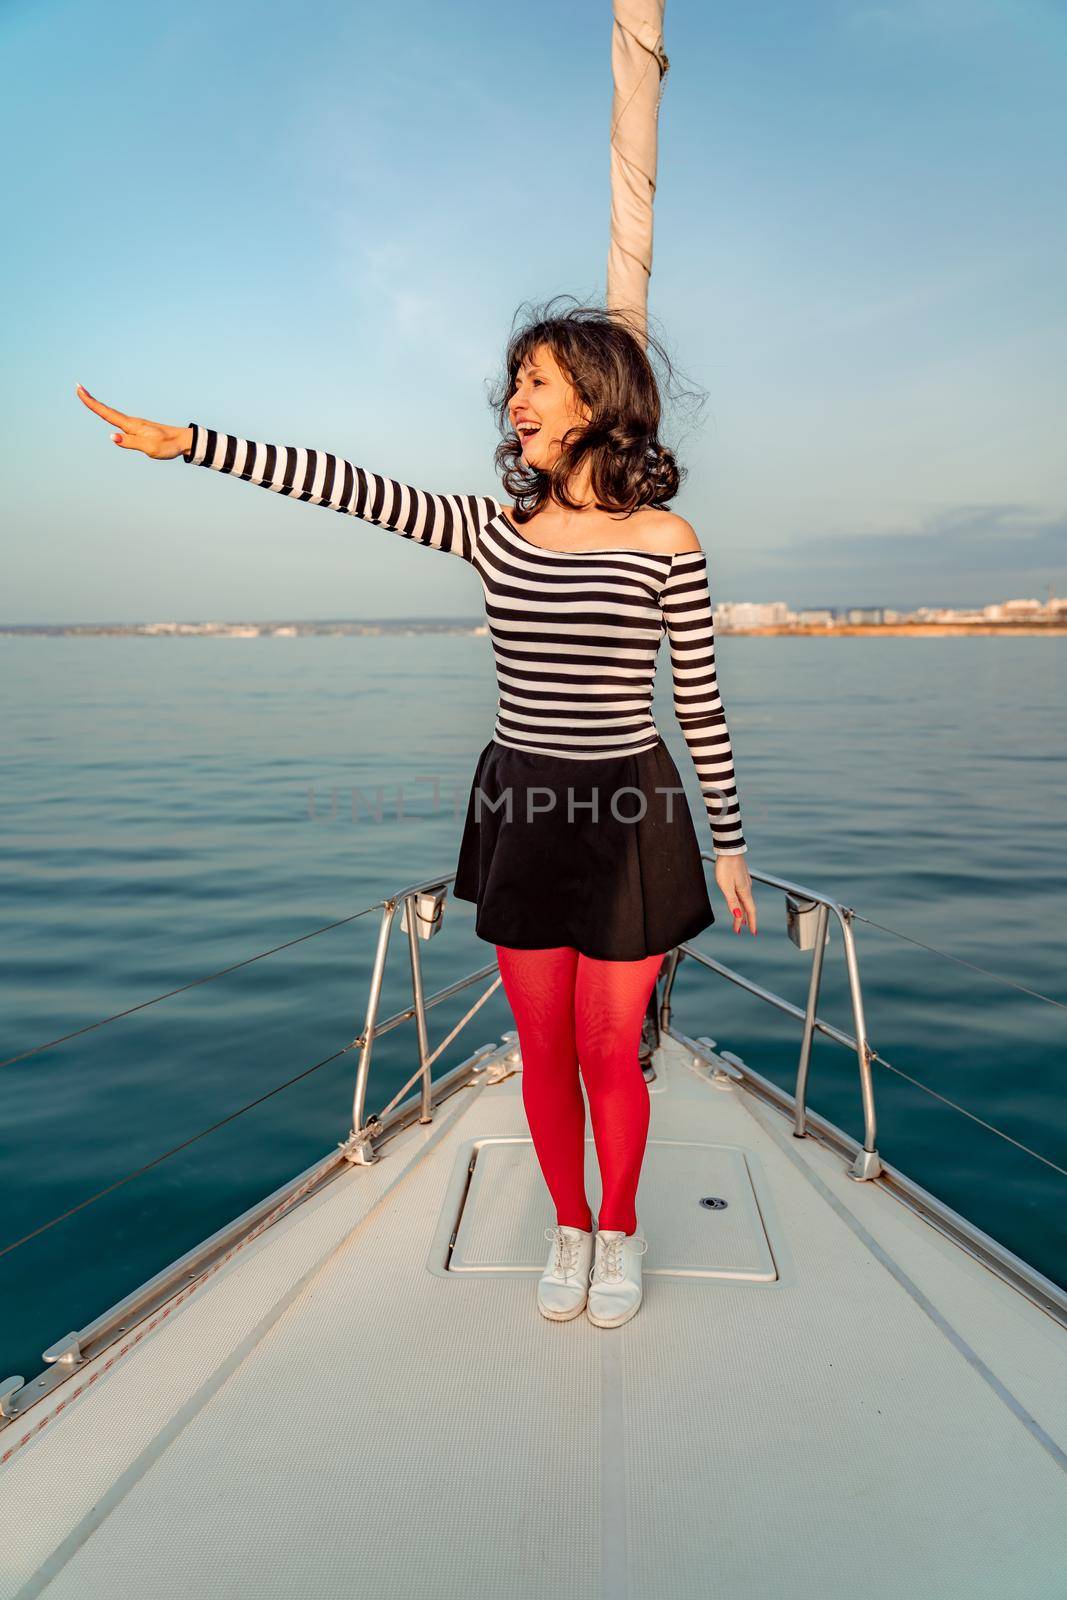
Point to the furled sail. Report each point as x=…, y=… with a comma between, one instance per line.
x=639, y=70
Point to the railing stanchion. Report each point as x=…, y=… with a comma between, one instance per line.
x=811, y=1011
x=671, y=965
x=867, y=1163
x=367, y=1037
x=418, y=1000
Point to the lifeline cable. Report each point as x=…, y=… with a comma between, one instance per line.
x=1036, y=993
x=208, y=978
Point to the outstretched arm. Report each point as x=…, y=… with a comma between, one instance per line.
x=690, y=625
x=451, y=523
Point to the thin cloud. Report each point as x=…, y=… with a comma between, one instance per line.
x=969, y=554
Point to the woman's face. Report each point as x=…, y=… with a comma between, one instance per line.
x=544, y=404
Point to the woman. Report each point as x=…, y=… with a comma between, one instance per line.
x=578, y=848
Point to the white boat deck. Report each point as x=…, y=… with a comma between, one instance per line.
x=821, y=1396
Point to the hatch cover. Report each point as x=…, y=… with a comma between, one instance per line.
x=499, y=1210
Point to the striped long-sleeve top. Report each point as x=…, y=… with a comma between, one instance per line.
x=575, y=634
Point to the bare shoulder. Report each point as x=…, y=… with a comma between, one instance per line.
x=672, y=533
x=656, y=529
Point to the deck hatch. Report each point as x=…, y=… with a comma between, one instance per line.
x=501, y=1210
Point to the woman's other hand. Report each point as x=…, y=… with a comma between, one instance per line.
x=153, y=439
x=732, y=876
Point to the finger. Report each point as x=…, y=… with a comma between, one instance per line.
x=109, y=414
x=131, y=439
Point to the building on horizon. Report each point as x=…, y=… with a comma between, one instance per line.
x=752, y=614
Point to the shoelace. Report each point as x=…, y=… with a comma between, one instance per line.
x=566, y=1258
x=610, y=1258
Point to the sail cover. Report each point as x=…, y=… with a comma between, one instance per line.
x=639, y=69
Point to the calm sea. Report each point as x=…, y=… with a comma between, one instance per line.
x=173, y=807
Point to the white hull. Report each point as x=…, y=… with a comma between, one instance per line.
x=821, y=1395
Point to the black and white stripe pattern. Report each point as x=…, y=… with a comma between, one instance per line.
x=447, y=522
x=575, y=633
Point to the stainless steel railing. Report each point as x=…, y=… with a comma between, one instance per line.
x=131, y=1318
x=867, y=1163
x=419, y=923
x=421, y=907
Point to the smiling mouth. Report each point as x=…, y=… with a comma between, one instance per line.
x=525, y=434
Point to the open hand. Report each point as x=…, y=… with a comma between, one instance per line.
x=732, y=876
x=153, y=439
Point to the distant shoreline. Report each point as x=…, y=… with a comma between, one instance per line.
x=472, y=628
x=326, y=628
x=901, y=630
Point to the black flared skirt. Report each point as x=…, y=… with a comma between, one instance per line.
x=601, y=854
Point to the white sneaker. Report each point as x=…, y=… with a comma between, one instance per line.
x=563, y=1288
x=615, y=1279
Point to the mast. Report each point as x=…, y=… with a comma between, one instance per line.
x=639, y=69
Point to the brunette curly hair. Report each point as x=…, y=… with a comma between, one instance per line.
x=606, y=356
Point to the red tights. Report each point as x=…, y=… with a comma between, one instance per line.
x=574, y=1014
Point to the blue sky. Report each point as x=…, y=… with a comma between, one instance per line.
x=316, y=229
